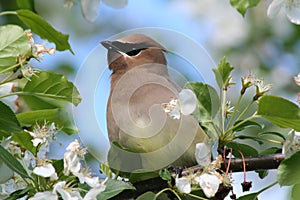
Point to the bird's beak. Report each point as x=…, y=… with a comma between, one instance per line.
x=110, y=46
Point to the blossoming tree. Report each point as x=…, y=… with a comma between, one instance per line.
x=33, y=109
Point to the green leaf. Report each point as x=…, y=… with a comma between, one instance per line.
x=279, y=111
x=252, y=196
x=39, y=26
x=245, y=124
x=6, y=172
x=147, y=196
x=58, y=165
x=60, y=117
x=243, y=137
x=118, y=157
x=24, y=139
x=245, y=149
x=59, y=168
x=271, y=150
x=273, y=133
x=26, y=4
x=12, y=162
x=104, y=168
x=113, y=188
x=288, y=172
x=210, y=129
x=141, y=175
x=208, y=100
x=262, y=173
x=49, y=90
x=165, y=174
x=14, y=45
x=243, y=5
x=18, y=194
x=295, y=193
x=222, y=72
x=8, y=121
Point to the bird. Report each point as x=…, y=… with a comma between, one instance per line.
x=144, y=136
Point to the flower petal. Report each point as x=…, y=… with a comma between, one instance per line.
x=184, y=185
x=175, y=114
x=71, y=162
x=92, y=181
x=209, y=184
x=89, y=9
x=293, y=11
x=92, y=194
x=44, y=171
x=188, y=101
x=274, y=8
x=60, y=188
x=36, y=141
x=297, y=79
x=74, y=146
x=203, y=154
x=47, y=195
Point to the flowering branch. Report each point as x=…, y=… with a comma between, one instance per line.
x=264, y=162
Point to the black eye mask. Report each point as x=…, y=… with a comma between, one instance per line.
x=129, y=49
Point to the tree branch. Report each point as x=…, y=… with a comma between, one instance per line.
x=264, y=162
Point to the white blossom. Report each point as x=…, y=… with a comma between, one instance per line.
x=92, y=193
x=8, y=187
x=29, y=159
x=209, y=184
x=47, y=195
x=185, y=104
x=75, y=146
x=261, y=88
x=72, y=158
x=203, y=154
x=45, y=170
x=85, y=177
x=290, y=7
x=297, y=79
x=38, y=50
x=65, y=192
x=228, y=108
x=15, y=183
x=43, y=134
x=292, y=143
x=249, y=80
x=171, y=109
x=13, y=148
x=71, y=162
x=183, y=184
x=28, y=71
x=8, y=88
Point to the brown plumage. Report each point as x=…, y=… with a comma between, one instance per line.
x=140, y=84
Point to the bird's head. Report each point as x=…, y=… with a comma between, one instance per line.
x=132, y=51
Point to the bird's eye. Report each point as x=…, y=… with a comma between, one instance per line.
x=134, y=52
